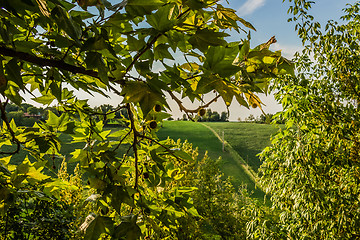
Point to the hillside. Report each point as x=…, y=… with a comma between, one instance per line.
x=246, y=138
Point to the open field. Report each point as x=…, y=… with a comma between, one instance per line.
x=248, y=139
x=204, y=140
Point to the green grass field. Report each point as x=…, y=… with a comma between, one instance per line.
x=248, y=139
x=204, y=140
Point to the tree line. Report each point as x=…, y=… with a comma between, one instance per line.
x=208, y=116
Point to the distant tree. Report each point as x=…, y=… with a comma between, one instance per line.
x=261, y=119
x=17, y=116
x=224, y=117
x=124, y=113
x=104, y=108
x=212, y=116
x=32, y=110
x=250, y=118
x=25, y=106
x=12, y=107
x=264, y=119
x=215, y=117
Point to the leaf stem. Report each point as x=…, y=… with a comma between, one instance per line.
x=134, y=145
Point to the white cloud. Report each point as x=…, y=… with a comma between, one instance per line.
x=250, y=6
x=287, y=51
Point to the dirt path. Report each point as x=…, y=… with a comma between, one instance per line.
x=237, y=158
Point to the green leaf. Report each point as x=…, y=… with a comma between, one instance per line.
x=4, y=169
x=26, y=46
x=35, y=175
x=244, y=49
x=161, y=51
x=81, y=14
x=135, y=44
x=182, y=155
x=158, y=160
x=64, y=21
x=143, y=67
x=52, y=120
x=145, y=3
x=119, y=196
x=70, y=126
x=286, y=67
x=94, y=60
x=195, y=4
x=97, y=183
x=223, y=87
x=220, y=60
x=43, y=144
x=246, y=23
x=98, y=225
x=140, y=92
x=12, y=93
x=203, y=38
x=12, y=69
x=45, y=99
x=128, y=229
x=95, y=44
x=162, y=19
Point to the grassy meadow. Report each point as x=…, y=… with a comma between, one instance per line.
x=204, y=140
x=247, y=139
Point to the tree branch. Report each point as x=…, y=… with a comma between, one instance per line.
x=12, y=133
x=134, y=145
x=60, y=64
x=141, y=52
x=182, y=108
x=44, y=62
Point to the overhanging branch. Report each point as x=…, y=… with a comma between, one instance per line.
x=60, y=64
x=182, y=108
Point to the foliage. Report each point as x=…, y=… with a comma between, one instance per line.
x=250, y=118
x=205, y=141
x=32, y=215
x=212, y=116
x=50, y=48
x=312, y=169
x=223, y=209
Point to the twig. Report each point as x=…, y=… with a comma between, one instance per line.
x=134, y=145
x=141, y=52
x=149, y=45
x=122, y=140
x=60, y=64
x=182, y=108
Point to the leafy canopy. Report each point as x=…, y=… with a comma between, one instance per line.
x=50, y=48
x=311, y=170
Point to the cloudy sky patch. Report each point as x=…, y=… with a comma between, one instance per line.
x=250, y=6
